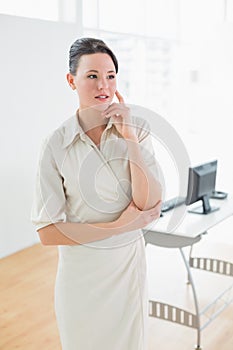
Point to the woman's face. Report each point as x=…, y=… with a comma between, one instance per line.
x=95, y=81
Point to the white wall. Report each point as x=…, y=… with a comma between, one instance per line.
x=35, y=99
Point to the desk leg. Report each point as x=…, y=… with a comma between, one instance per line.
x=191, y=281
x=190, y=254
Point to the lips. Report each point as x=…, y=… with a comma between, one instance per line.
x=102, y=97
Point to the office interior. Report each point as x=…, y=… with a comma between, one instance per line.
x=175, y=59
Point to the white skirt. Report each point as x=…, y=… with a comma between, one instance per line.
x=101, y=298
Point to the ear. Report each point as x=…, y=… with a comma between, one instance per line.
x=70, y=79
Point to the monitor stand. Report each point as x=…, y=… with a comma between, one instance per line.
x=205, y=208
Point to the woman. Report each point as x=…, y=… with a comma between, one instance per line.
x=96, y=188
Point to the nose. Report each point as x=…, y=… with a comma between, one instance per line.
x=102, y=83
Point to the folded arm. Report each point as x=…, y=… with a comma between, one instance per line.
x=73, y=233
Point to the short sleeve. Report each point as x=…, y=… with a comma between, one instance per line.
x=49, y=198
x=146, y=145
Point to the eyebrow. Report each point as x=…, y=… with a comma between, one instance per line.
x=96, y=71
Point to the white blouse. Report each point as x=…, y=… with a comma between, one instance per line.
x=79, y=182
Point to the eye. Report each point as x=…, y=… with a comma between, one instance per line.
x=92, y=76
x=111, y=76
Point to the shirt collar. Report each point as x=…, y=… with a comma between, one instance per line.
x=110, y=124
x=73, y=129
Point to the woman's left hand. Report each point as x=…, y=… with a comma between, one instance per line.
x=121, y=117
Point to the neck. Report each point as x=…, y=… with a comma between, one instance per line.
x=91, y=119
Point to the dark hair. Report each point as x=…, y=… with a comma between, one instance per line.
x=87, y=46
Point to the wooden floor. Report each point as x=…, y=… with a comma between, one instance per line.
x=27, y=320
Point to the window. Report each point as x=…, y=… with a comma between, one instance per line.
x=42, y=9
x=52, y=10
x=198, y=18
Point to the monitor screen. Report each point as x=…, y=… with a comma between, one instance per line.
x=201, y=184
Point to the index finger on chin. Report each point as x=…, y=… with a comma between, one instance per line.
x=120, y=98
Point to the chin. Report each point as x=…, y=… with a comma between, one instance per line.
x=101, y=106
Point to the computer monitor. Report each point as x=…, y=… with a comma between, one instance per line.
x=201, y=184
